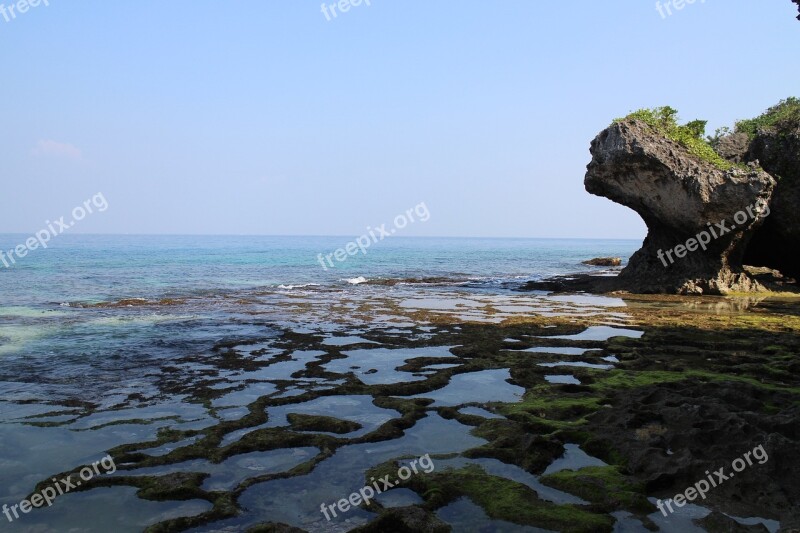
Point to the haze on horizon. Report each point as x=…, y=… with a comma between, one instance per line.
x=268, y=118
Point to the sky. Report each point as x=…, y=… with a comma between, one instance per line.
x=264, y=117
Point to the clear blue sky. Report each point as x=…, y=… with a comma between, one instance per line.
x=261, y=117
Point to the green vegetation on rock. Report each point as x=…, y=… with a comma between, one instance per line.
x=690, y=136
x=784, y=115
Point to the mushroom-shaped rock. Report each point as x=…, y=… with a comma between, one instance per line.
x=683, y=198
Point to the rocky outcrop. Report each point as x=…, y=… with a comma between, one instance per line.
x=699, y=216
x=604, y=261
x=707, y=424
x=734, y=147
x=776, y=243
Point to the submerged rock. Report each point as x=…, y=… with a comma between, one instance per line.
x=406, y=519
x=721, y=523
x=699, y=214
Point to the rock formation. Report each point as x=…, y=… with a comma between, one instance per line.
x=604, y=261
x=734, y=147
x=685, y=200
x=777, y=243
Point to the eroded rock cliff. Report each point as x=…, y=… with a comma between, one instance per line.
x=700, y=214
x=775, y=146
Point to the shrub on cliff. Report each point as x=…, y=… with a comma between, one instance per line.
x=785, y=116
x=690, y=136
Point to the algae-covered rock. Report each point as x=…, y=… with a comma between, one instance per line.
x=327, y=424
x=503, y=499
x=671, y=433
x=603, y=485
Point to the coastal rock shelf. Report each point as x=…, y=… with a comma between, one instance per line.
x=237, y=427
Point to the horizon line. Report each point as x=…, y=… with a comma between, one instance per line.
x=393, y=237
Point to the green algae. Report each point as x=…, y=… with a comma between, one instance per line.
x=501, y=499
x=515, y=443
x=328, y=424
x=602, y=485
x=680, y=344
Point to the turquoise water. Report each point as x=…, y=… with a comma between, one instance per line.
x=50, y=329
x=110, y=339
x=97, y=268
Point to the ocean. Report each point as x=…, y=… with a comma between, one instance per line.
x=108, y=342
x=97, y=268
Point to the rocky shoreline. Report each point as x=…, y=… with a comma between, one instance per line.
x=664, y=389
x=769, y=282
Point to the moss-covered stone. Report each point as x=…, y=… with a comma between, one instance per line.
x=503, y=499
x=328, y=424
x=691, y=348
x=603, y=485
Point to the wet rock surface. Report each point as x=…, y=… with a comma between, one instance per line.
x=662, y=397
x=672, y=434
x=406, y=520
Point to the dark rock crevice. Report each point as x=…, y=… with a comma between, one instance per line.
x=776, y=244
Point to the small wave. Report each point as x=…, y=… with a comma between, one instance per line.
x=356, y=281
x=300, y=286
x=434, y=280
